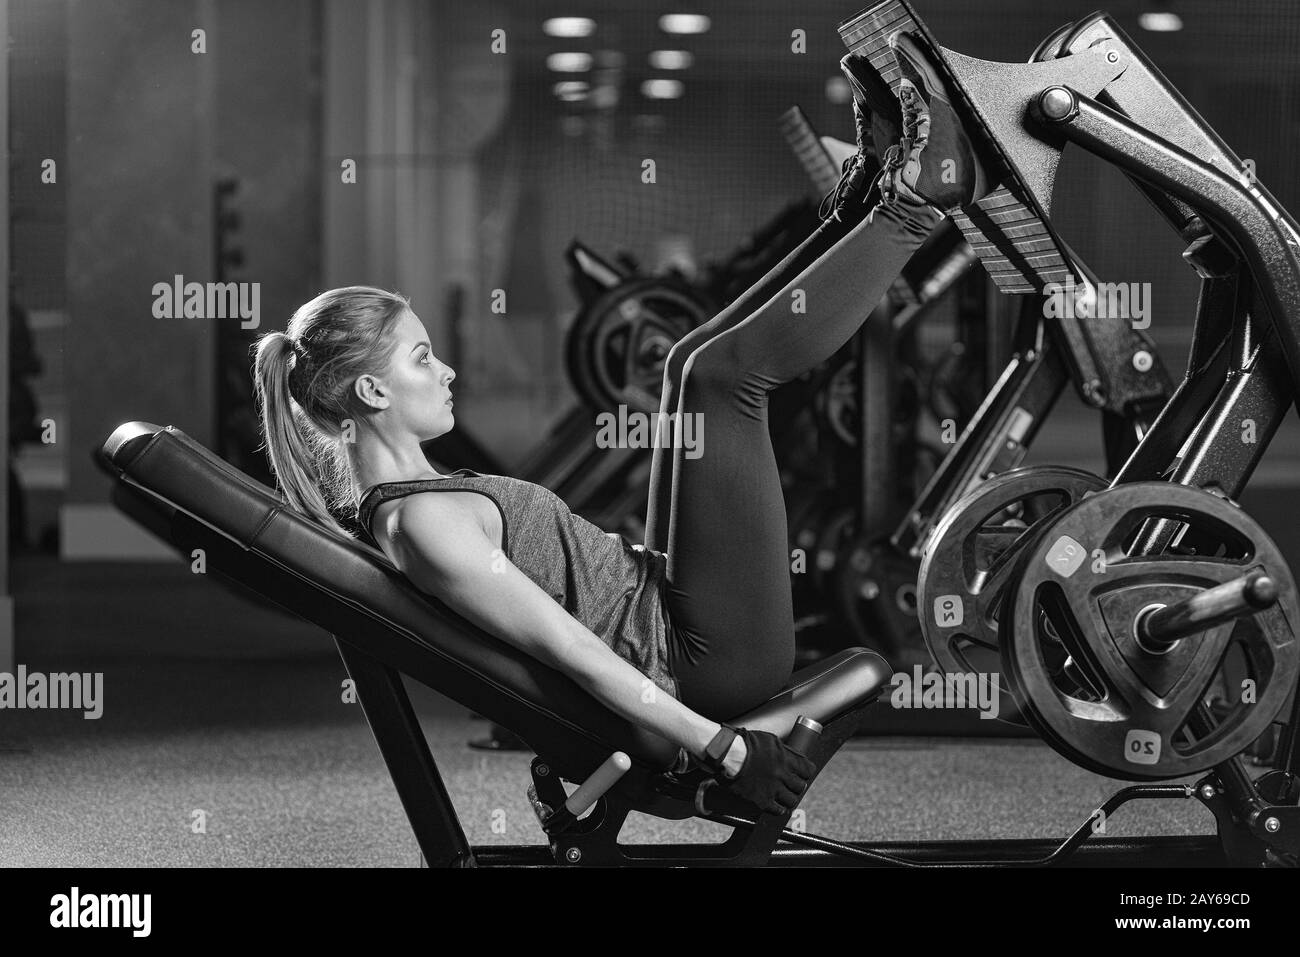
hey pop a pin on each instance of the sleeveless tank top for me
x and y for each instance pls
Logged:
(615, 588)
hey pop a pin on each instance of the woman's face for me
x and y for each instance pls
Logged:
(418, 384)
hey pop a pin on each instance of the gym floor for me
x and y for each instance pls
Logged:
(257, 736)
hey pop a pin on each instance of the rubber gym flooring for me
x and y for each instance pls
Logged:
(214, 703)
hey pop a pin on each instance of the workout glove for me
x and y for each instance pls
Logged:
(773, 777)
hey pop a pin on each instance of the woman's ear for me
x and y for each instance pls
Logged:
(370, 391)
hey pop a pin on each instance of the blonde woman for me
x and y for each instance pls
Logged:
(695, 625)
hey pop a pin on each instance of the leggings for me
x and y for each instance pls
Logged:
(720, 516)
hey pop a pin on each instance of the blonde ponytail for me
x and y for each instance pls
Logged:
(303, 379)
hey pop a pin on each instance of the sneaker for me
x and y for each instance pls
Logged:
(936, 162)
(877, 123)
(872, 93)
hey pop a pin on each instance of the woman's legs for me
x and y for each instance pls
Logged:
(728, 588)
(823, 238)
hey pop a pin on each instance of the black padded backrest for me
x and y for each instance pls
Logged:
(178, 488)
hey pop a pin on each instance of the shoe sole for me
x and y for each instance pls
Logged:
(1008, 229)
(880, 100)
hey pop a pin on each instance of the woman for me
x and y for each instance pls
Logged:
(697, 624)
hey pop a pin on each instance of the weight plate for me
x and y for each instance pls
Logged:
(808, 506)
(1143, 716)
(875, 594)
(838, 403)
(834, 526)
(618, 344)
(968, 559)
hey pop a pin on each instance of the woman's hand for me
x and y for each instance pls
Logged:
(771, 776)
(735, 759)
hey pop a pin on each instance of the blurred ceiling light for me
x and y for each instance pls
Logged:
(684, 23)
(570, 91)
(1162, 21)
(838, 90)
(662, 89)
(569, 27)
(671, 59)
(568, 62)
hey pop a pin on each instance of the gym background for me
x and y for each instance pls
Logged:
(474, 172)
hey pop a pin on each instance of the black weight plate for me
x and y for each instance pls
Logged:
(834, 526)
(968, 559)
(875, 594)
(618, 344)
(1139, 718)
(838, 403)
(807, 506)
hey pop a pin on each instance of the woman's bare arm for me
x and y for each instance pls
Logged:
(439, 544)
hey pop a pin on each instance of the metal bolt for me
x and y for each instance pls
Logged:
(1207, 791)
(543, 770)
(1111, 56)
(1272, 825)
(1142, 361)
(905, 598)
(573, 855)
(1057, 103)
(1093, 392)
(869, 590)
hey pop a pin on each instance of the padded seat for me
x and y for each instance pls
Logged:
(193, 499)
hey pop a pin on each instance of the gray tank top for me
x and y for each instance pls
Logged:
(615, 588)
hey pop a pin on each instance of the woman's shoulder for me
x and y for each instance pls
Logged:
(441, 528)
(423, 502)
